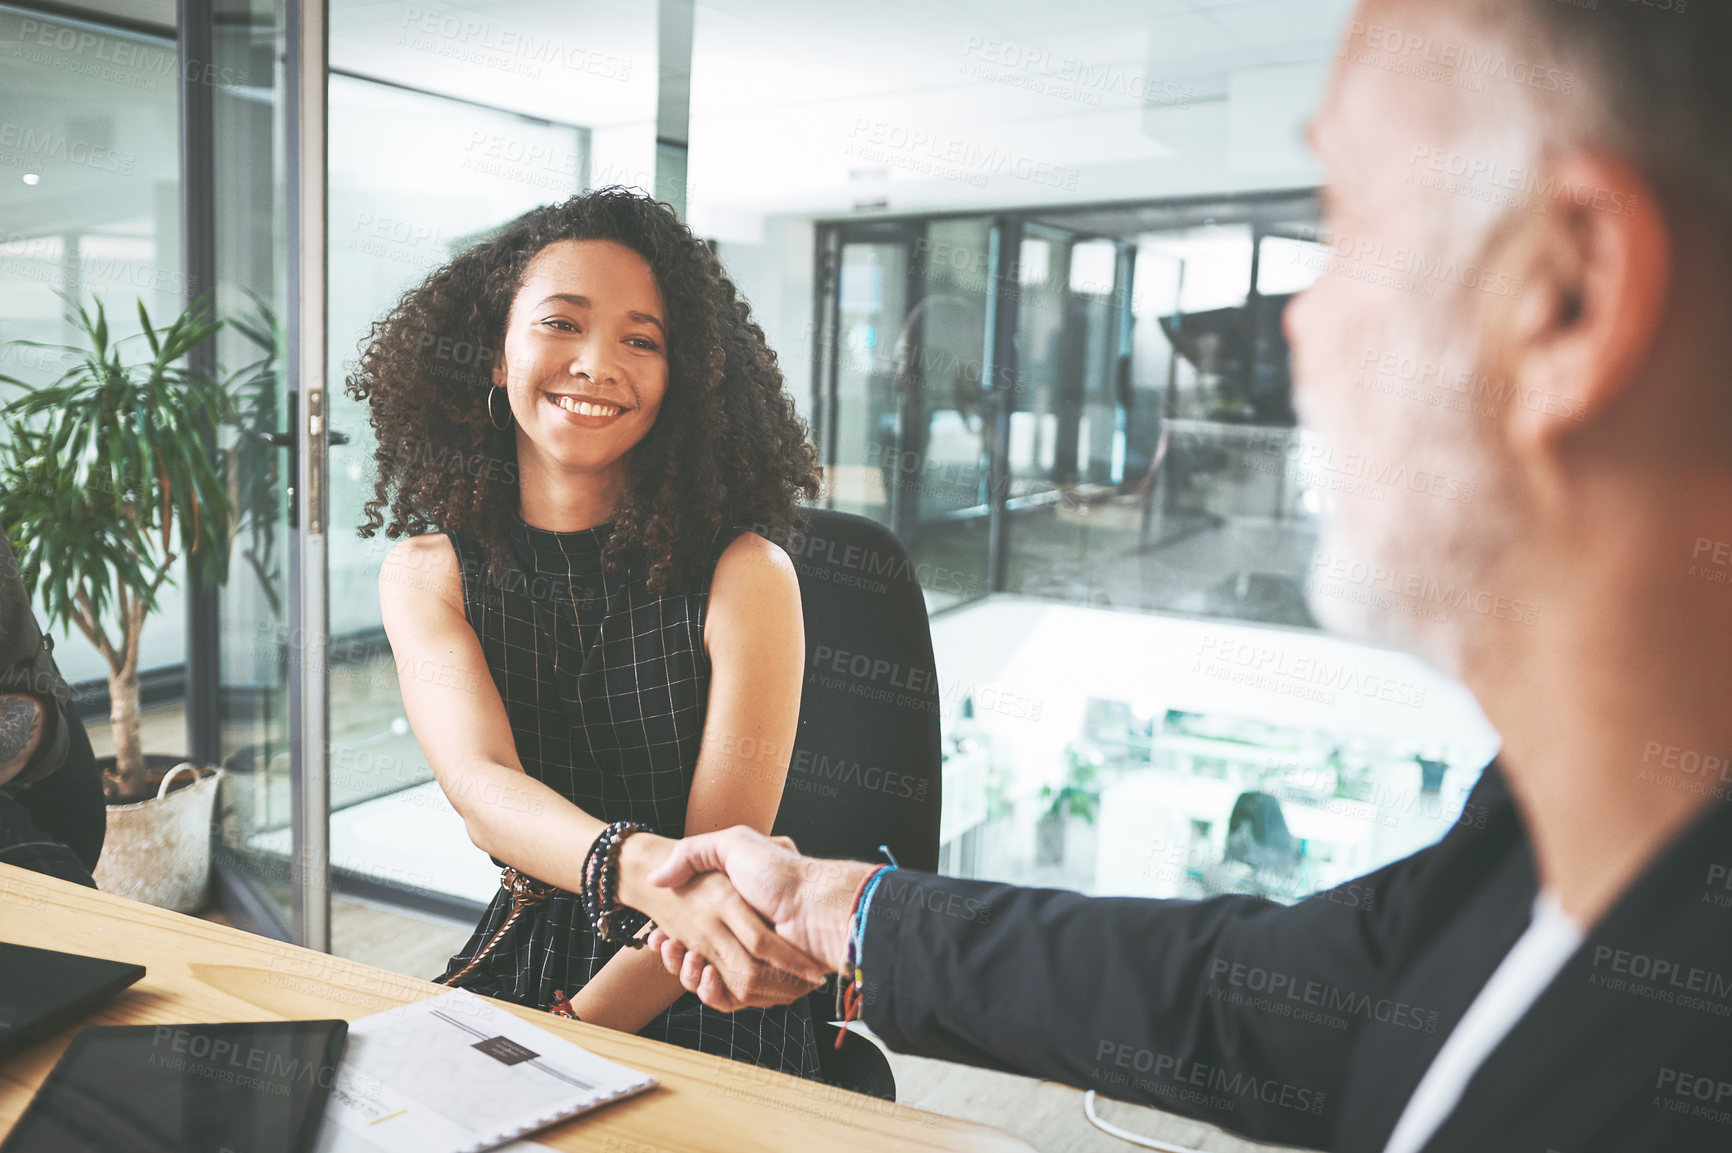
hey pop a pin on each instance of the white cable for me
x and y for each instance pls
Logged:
(1136, 1139)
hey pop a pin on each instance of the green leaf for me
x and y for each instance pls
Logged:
(98, 334)
(107, 467)
(149, 333)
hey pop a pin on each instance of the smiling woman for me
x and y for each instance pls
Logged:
(584, 378)
(593, 630)
(724, 442)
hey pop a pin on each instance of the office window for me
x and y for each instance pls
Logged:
(89, 208)
(1136, 698)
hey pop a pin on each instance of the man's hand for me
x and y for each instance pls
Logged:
(754, 968)
(808, 901)
(21, 717)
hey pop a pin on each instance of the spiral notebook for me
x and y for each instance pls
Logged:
(459, 1074)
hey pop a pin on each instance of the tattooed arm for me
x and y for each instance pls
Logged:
(33, 694)
(21, 717)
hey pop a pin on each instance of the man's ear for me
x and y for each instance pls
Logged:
(1595, 261)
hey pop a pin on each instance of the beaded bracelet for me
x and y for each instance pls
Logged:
(589, 893)
(853, 976)
(845, 977)
(614, 923)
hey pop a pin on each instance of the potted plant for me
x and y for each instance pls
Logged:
(107, 482)
(1077, 799)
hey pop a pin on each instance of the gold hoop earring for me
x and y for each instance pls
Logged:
(491, 419)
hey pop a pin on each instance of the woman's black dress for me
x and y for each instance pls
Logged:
(605, 684)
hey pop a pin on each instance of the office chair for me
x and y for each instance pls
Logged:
(867, 756)
(1258, 835)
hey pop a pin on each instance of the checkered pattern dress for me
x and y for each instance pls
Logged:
(605, 684)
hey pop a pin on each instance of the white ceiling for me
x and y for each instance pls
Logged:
(98, 152)
(575, 61)
(812, 106)
(805, 107)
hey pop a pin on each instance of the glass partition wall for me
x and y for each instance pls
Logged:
(1137, 699)
(1145, 400)
(89, 210)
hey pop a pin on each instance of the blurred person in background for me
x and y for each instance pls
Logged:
(36, 742)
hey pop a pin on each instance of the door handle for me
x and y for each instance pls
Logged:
(287, 439)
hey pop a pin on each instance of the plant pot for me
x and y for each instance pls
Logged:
(1049, 839)
(158, 850)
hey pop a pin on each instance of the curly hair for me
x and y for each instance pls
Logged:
(727, 447)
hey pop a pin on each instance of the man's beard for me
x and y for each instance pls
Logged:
(1364, 599)
(1402, 566)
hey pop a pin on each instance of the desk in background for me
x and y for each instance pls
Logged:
(202, 972)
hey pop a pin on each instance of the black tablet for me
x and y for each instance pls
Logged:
(256, 1087)
(42, 992)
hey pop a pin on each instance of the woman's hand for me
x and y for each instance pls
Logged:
(809, 901)
(740, 961)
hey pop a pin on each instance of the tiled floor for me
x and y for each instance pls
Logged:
(412, 837)
(397, 940)
(1247, 569)
(1046, 1115)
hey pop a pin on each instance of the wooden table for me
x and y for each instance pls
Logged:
(201, 972)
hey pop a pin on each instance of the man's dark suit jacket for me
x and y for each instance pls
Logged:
(1312, 1025)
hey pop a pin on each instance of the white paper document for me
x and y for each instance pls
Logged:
(459, 1074)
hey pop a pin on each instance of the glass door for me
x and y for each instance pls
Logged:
(1067, 437)
(248, 182)
(336, 184)
(414, 179)
(872, 297)
(159, 179)
(908, 411)
(943, 474)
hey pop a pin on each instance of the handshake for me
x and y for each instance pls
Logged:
(741, 918)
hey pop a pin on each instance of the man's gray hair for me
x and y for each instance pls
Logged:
(1655, 82)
